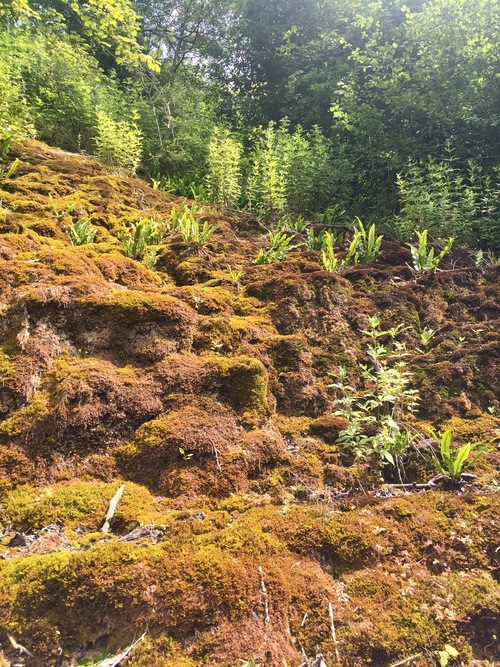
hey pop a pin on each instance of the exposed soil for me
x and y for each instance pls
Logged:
(242, 518)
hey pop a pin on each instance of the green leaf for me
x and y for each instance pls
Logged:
(444, 658)
(388, 456)
(451, 650)
(462, 456)
(445, 444)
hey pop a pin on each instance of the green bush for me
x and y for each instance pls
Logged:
(377, 410)
(266, 186)
(15, 117)
(51, 85)
(289, 171)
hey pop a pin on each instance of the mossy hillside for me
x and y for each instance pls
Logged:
(113, 586)
(110, 369)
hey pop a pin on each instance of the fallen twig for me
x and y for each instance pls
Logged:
(334, 634)
(18, 647)
(112, 509)
(406, 660)
(263, 590)
(116, 659)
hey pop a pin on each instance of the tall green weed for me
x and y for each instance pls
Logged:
(118, 143)
(224, 168)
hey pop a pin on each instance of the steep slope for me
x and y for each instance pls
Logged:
(242, 519)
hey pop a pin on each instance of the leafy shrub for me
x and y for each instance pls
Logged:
(118, 143)
(289, 171)
(266, 186)
(15, 116)
(52, 85)
(438, 196)
(376, 411)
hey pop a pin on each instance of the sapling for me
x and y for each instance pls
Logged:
(376, 412)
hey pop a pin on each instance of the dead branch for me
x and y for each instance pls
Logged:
(112, 509)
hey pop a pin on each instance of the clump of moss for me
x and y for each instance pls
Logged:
(243, 381)
(183, 437)
(7, 370)
(15, 468)
(26, 419)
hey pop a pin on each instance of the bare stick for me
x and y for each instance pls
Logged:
(406, 660)
(216, 453)
(112, 509)
(334, 634)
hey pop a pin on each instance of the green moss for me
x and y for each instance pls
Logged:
(162, 651)
(25, 419)
(226, 334)
(80, 504)
(480, 429)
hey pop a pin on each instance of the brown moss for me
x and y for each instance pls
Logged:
(328, 427)
(15, 468)
(81, 405)
(185, 450)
